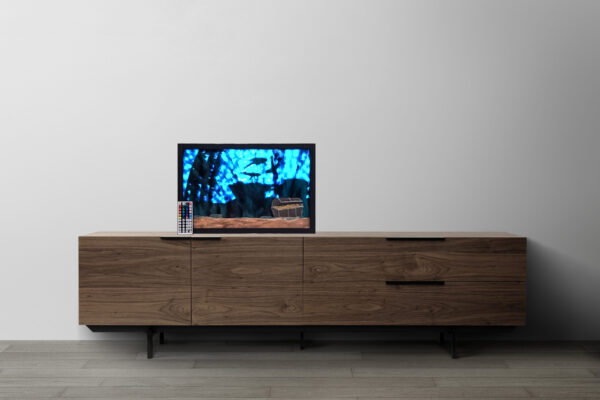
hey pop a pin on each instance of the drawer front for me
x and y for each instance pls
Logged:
(247, 305)
(134, 281)
(247, 281)
(378, 259)
(134, 306)
(454, 303)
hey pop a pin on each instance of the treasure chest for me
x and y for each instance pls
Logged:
(287, 207)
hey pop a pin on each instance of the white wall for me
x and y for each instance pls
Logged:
(427, 115)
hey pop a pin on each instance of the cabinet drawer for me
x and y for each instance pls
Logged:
(454, 303)
(243, 305)
(134, 306)
(378, 259)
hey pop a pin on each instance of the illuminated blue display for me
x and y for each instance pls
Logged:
(268, 167)
(188, 159)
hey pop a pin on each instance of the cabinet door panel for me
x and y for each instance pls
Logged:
(133, 262)
(247, 281)
(134, 281)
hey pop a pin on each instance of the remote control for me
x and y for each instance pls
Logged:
(185, 218)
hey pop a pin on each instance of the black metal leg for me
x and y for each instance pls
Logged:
(161, 338)
(452, 335)
(453, 346)
(301, 340)
(150, 340)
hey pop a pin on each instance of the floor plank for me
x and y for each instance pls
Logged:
(357, 383)
(556, 363)
(27, 392)
(418, 347)
(241, 346)
(50, 382)
(505, 356)
(518, 382)
(400, 392)
(71, 355)
(181, 372)
(220, 398)
(211, 398)
(590, 392)
(135, 364)
(474, 372)
(321, 356)
(162, 392)
(64, 346)
(49, 363)
(136, 346)
(495, 347)
(445, 362)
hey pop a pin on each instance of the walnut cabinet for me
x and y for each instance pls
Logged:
(352, 278)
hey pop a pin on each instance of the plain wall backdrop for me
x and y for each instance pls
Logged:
(427, 115)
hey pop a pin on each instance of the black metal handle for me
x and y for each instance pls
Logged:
(414, 239)
(415, 282)
(190, 238)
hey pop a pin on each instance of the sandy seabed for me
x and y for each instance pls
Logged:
(272, 223)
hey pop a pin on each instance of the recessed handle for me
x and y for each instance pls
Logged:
(415, 239)
(423, 283)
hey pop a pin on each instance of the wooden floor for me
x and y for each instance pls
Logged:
(325, 370)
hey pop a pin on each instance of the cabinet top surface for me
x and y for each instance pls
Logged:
(318, 234)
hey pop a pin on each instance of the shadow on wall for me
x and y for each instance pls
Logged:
(559, 293)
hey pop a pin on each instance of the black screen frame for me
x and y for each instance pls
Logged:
(181, 147)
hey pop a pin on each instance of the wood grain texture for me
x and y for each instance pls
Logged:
(247, 281)
(134, 306)
(377, 259)
(247, 261)
(250, 305)
(134, 281)
(133, 262)
(456, 303)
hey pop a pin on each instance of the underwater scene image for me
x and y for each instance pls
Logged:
(247, 188)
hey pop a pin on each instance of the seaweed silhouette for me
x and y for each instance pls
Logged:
(202, 180)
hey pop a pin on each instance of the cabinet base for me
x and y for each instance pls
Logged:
(447, 334)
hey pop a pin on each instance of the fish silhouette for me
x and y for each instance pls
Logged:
(252, 174)
(257, 161)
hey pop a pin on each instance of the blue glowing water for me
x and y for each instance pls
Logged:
(249, 166)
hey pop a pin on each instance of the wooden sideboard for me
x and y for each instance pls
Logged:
(156, 279)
